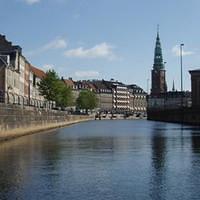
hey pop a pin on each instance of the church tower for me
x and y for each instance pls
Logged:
(158, 82)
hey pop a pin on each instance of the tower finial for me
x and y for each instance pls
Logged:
(158, 27)
(158, 59)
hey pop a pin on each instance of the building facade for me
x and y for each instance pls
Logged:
(170, 100)
(195, 84)
(35, 76)
(104, 96)
(138, 99)
(18, 78)
(120, 98)
(112, 96)
(12, 72)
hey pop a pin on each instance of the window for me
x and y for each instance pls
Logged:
(34, 80)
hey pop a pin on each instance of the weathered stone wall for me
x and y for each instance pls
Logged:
(16, 121)
(187, 116)
(2, 77)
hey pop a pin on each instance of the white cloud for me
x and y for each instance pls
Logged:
(30, 2)
(58, 43)
(176, 51)
(102, 50)
(86, 74)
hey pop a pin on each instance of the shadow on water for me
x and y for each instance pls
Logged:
(195, 136)
(18, 157)
(36, 161)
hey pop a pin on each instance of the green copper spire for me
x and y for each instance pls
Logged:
(158, 59)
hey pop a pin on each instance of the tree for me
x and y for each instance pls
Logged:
(86, 100)
(64, 95)
(53, 89)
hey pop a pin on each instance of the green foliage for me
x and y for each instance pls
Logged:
(64, 95)
(54, 89)
(86, 100)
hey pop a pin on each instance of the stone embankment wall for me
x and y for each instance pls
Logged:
(17, 121)
(187, 116)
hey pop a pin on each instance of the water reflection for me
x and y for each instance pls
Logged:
(114, 160)
(17, 160)
(158, 145)
(195, 136)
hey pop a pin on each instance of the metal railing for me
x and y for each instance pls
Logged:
(15, 99)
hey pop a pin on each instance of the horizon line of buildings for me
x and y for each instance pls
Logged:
(112, 96)
(19, 78)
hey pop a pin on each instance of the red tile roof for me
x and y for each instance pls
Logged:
(69, 83)
(38, 72)
(91, 86)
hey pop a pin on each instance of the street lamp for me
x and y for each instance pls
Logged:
(181, 55)
(181, 61)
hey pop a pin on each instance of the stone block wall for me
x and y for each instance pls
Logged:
(16, 120)
(186, 115)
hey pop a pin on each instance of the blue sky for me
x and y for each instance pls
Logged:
(104, 39)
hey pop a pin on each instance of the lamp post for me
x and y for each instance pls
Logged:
(181, 62)
(181, 59)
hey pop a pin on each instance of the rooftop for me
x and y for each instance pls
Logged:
(38, 72)
(69, 82)
(195, 70)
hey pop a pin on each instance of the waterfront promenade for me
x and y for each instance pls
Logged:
(16, 120)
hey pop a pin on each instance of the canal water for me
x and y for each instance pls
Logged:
(103, 160)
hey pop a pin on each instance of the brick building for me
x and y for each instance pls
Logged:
(158, 72)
